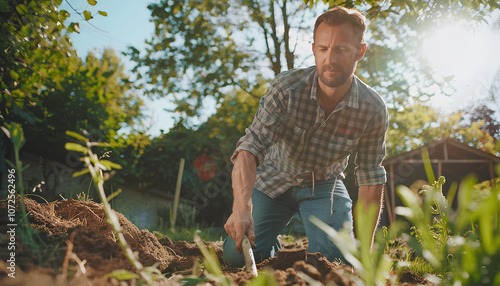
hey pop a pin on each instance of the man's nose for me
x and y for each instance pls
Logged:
(331, 57)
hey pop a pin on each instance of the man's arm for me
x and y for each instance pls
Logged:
(250, 152)
(243, 176)
(368, 195)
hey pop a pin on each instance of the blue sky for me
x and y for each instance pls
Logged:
(128, 24)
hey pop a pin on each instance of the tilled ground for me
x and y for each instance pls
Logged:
(78, 247)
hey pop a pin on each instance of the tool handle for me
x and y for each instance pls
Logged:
(248, 254)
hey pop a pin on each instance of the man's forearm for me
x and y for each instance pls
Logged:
(243, 177)
(369, 195)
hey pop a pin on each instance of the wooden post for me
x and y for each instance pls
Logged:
(177, 193)
(393, 192)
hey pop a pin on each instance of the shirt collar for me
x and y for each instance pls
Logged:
(352, 97)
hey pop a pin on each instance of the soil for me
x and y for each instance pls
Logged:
(77, 247)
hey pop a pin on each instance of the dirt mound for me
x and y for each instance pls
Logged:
(94, 239)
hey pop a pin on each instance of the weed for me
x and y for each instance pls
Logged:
(29, 236)
(95, 167)
(462, 245)
(372, 264)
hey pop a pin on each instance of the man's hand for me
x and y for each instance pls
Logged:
(239, 224)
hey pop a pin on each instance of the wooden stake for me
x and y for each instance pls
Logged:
(177, 192)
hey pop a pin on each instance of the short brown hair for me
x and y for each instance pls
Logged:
(339, 15)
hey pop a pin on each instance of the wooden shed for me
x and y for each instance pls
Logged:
(449, 158)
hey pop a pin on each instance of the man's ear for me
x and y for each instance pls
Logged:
(361, 52)
(312, 47)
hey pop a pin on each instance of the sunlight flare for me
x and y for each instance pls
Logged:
(450, 50)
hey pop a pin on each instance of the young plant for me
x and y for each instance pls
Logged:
(96, 167)
(371, 263)
(29, 236)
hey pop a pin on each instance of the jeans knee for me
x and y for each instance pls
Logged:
(230, 254)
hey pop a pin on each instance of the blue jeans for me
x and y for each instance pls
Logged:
(272, 215)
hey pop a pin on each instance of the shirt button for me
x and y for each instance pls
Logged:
(321, 114)
(312, 148)
(309, 165)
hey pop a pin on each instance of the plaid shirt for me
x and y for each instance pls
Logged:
(295, 144)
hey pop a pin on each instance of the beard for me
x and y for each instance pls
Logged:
(336, 80)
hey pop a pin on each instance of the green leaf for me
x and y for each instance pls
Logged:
(17, 135)
(75, 147)
(22, 9)
(428, 166)
(114, 195)
(79, 173)
(77, 136)
(103, 13)
(99, 144)
(64, 14)
(14, 75)
(92, 2)
(110, 165)
(87, 15)
(122, 275)
(74, 27)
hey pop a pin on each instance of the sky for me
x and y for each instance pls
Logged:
(126, 24)
(472, 57)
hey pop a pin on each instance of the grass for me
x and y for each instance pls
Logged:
(188, 233)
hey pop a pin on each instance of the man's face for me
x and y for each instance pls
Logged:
(336, 51)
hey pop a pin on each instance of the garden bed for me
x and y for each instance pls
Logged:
(77, 247)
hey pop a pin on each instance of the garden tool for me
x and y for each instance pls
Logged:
(248, 254)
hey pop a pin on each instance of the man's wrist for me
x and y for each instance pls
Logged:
(242, 207)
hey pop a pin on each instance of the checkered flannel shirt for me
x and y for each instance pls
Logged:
(294, 143)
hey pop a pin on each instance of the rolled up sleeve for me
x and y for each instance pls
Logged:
(371, 152)
(266, 124)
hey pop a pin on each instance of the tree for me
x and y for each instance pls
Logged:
(49, 90)
(205, 48)
(421, 124)
(433, 11)
(35, 47)
(482, 112)
(94, 96)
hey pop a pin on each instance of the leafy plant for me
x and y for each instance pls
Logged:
(372, 264)
(29, 236)
(463, 245)
(96, 167)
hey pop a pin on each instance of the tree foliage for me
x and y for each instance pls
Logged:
(433, 11)
(93, 95)
(422, 124)
(207, 48)
(47, 88)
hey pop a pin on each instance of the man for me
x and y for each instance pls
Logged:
(293, 156)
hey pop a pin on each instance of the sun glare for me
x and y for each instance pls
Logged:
(450, 50)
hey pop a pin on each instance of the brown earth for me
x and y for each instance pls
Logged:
(77, 247)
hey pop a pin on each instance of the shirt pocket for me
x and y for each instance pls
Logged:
(339, 148)
(293, 136)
